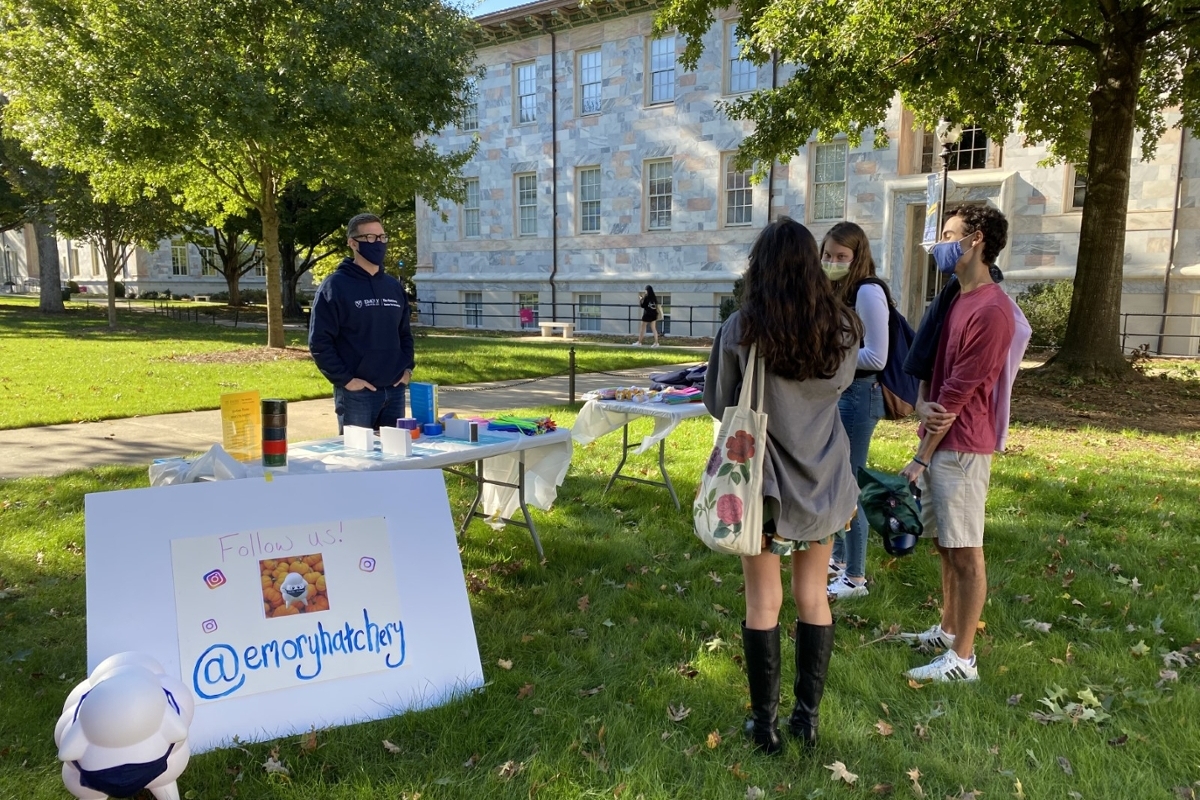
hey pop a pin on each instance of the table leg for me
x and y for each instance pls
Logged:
(478, 497)
(537, 543)
(624, 455)
(662, 467)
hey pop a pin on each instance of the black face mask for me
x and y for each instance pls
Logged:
(125, 780)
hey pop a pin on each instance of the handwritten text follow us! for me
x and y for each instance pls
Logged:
(254, 545)
(221, 670)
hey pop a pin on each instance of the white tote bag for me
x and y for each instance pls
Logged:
(728, 511)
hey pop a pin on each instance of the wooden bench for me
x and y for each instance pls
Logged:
(568, 329)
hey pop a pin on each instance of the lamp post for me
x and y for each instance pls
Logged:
(948, 133)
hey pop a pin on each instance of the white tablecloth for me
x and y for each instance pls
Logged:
(599, 417)
(547, 458)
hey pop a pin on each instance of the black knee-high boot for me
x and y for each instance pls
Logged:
(761, 649)
(814, 645)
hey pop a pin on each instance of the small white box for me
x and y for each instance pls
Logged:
(458, 429)
(396, 441)
(356, 438)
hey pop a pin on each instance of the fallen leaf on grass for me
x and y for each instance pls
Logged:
(471, 762)
(526, 638)
(691, 751)
(1168, 674)
(1033, 624)
(920, 731)
(391, 748)
(1018, 790)
(713, 740)
(509, 770)
(840, 773)
(1174, 658)
(914, 775)
(308, 742)
(1185, 793)
(1015, 699)
(881, 789)
(1119, 741)
(580, 632)
(583, 603)
(274, 766)
(754, 793)
(678, 713)
(504, 663)
(1065, 766)
(1140, 649)
(525, 691)
(883, 728)
(912, 684)
(687, 670)
(737, 771)
(593, 691)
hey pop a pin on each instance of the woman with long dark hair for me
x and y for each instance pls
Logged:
(808, 342)
(649, 303)
(846, 259)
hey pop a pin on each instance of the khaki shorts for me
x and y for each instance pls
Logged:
(953, 497)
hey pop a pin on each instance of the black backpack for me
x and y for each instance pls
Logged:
(899, 388)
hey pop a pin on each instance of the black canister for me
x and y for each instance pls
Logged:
(274, 432)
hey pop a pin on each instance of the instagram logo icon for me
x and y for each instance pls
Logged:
(209, 625)
(366, 564)
(214, 579)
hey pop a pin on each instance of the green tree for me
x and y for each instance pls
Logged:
(312, 230)
(115, 225)
(1063, 70)
(232, 101)
(229, 249)
(26, 195)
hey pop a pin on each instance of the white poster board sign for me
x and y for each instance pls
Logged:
(338, 596)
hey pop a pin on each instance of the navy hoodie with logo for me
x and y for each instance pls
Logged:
(360, 327)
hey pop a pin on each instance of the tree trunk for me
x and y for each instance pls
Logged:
(1093, 339)
(112, 262)
(233, 283)
(48, 277)
(270, 226)
(291, 277)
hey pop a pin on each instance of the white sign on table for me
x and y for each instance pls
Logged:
(339, 597)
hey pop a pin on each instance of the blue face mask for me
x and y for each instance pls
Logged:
(375, 252)
(947, 255)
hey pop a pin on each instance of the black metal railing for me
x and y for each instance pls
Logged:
(1157, 341)
(600, 318)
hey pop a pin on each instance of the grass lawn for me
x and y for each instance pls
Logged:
(1094, 578)
(70, 368)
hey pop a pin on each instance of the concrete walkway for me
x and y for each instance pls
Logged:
(55, 449)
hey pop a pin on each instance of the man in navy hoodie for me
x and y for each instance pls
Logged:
(359, 334)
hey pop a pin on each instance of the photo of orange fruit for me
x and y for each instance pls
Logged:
(304, 593)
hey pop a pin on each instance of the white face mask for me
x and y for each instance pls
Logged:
(835, 271)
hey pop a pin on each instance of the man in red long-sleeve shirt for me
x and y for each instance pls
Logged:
(957, 406)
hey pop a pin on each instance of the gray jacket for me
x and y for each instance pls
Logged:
(809, 488)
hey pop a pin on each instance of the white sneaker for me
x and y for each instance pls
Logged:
(636, 344)
(654, 345)
(934, 637)
(946, 668)
(842, 588)
(834, 570)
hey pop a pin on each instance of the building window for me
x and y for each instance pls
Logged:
(1078, 190)
(470, 116)
(969, 153)
(471, 208)
(527, 309)
(9, 262)
(829, 182)
(526, 93)
(589, 312)
(589, 200)
(662, 70)
(473, 309)
(527, 205)
(260, 263)
(589, 82)
(179, 257)
(208, 262)
(743, 76)
(658, 195)
(739, 195)
(664, 308)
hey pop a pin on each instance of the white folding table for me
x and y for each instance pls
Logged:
(600, 417)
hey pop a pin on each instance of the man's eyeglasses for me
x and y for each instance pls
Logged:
(371, 238)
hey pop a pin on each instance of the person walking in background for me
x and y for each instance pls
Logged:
(846, 259)
(359, 334)
(959, 409)
(649, 303)
(808, 342)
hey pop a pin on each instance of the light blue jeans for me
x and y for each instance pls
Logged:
(861, 407)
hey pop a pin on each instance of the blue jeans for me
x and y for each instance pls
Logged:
(861, 407)
(367, 409)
